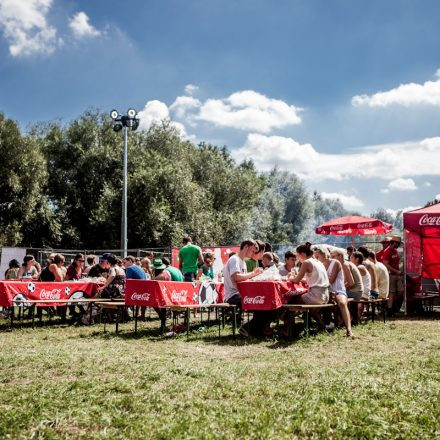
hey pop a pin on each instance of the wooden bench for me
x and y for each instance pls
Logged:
(306, 309)
(219, 306)
(33, 303)
(379, 302)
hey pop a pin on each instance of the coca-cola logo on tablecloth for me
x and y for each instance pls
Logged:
(50, 294)
(253, 300)
(179, 296)
(429, 220)
(140, 296)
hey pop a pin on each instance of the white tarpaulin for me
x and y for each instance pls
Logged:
(8, 254)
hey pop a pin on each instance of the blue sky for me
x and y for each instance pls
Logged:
(344, 93)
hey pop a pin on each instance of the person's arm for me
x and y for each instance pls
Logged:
(20, 272)
(305, 267)
(110, 278)
(348, 277)
(390, 268)
(200, 257)
(335, 271)
(238, 276)
(57, 273)
(180, 262)
(199, 273)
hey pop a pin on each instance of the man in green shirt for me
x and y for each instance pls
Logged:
(252, 263)
(190, 256)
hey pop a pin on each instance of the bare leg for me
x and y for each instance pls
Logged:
(343, 307)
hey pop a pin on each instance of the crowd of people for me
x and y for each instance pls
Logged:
(331, 273)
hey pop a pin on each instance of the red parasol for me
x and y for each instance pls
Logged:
(353, 225)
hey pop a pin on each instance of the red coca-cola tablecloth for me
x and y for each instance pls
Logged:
(168, 293)
(21, 291)
(268, 295)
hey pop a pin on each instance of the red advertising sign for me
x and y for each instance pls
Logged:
(168, 293)
(268, 295)
(20, 291)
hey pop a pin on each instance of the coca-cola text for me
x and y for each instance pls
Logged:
(429, 220)
(253, 300)
(50, 294)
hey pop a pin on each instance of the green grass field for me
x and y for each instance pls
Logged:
(77, 382)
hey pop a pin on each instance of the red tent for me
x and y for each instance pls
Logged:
(422, 241)
(354, 224)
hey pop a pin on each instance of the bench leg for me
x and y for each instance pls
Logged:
(33, 316)
(373, 311)
(117, 319)
(306, 322)
(136, 308)
(12, 316)
(234, 320)
(187, 316)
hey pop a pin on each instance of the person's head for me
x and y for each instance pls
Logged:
(395, 241)
(146, 263)
(338, 254)
(150, 255)
(166, 261)
(186, 240)
(364, 251)
(320, 252)
(385, 242)
(276, 258)
(91, 260)
(289, 259)
(258, 255)
(248, 248)
(79, 260)
(267, 259)
(357, 258)
(158, 266)
(267, 247)
(129, 260)
(304, 251)
(58, 259)
(350, 250)
(112, 260)
(208, 259)
(14, 264)
(137, 261)
(372, 257)
(28, 260)
(103, 260)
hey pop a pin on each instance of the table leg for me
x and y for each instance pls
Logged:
(33, 315)
(373, 311)
(163, 320)
(136, 308)
(187, 315)
(209, 317)
(117, 319)
(234, 320)
(306, 328)
(12, 315)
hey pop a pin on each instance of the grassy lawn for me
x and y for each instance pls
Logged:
(80, 383)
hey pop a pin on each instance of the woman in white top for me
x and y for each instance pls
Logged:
(316, 277)
(337, 282)
(357, 258)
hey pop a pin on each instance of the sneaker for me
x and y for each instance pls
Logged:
(350, 335)
(330, 326)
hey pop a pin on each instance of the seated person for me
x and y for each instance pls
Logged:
(28, 269)
(91, 261)
(74, 271)
(267, 260)
(57, 268)
(206, 269)
(102, 268)
(175, 273)
(132, 271)
(46, 274)
(254, 261)
(12, 271)
(160, 272)
(289, 265)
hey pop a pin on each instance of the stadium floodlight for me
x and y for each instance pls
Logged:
(131, 113)
(114, 114)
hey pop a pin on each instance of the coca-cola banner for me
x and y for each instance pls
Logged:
(20, 291)
(221, 254)
(413, 252)
(167, 293)
(268, 295)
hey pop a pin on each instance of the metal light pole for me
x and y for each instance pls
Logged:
(127, 121)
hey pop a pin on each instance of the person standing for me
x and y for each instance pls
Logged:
(190, 256)
(385, 242)
(391, 261)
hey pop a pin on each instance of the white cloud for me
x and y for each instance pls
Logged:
(248, 110)
(437, 197)
(156, 111)
(390, 161)
(348, 201)
(25, 27)
(190, 89)
(427, 184)
(81, 27)
(184, 105)
(401, 184)
(405, 94)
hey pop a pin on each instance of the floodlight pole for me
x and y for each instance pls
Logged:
(124, 197)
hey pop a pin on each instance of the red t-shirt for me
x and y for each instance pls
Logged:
(391, 256)
(379, 255)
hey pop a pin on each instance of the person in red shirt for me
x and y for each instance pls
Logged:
(390, 258)
(385, 242)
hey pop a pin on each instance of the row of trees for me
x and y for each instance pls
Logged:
(60, 186)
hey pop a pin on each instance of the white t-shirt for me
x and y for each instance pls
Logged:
(234, 265)
(383, 280)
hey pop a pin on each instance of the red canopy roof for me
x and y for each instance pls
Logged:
(353, 225)
(424, 219)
